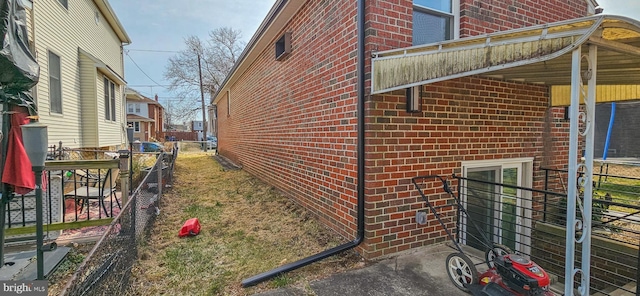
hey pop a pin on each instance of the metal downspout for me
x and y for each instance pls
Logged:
(360, 171)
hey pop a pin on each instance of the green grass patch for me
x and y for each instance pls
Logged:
(248, 227)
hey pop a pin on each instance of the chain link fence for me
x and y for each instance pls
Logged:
(107, 268)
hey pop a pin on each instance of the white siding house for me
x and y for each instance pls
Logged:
(80, 95)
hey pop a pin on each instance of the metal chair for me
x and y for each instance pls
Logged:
(97, 189)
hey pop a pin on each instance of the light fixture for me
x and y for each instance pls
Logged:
(35, 139)
(414, 99)
(130, 134)
(567, 112)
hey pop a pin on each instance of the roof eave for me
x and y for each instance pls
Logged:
(112, 19)
(279, 15)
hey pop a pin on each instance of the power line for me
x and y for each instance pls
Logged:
(152, 50)
(145, 74)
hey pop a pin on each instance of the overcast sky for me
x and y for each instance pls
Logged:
(630, 8)
(162, 25)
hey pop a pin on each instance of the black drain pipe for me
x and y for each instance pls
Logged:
(360, 189)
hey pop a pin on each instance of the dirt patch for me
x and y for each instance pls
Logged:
(248, 227)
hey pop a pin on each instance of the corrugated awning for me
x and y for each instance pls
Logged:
(539, 54)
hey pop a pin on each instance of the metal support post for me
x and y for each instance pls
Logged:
(39, 231)
(124, 175)
(580, 188)
(159, 176)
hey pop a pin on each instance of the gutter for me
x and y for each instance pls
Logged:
(360, 172)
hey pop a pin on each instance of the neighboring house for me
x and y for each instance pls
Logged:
(145, 115)
(178, 128)
(288, 111)
(80, 95)
(197, 126)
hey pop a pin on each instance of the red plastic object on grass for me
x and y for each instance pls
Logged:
(190, 228)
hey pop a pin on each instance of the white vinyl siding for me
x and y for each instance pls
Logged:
(65, 32)
(89, 131)
(107, 129)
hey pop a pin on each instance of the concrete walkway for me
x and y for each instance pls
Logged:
(417, 272)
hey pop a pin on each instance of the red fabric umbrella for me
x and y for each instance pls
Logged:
(17, 168)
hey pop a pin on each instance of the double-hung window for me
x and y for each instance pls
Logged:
(109, 100)
(55, 84)
(433, 21)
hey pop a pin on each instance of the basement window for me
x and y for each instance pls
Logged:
(283, 46)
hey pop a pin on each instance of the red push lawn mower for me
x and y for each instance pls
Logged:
(507, 274)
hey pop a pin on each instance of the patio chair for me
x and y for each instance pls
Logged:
(102, 188)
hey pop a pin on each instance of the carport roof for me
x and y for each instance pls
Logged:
(539, 54)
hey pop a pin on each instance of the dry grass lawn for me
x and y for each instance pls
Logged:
(248, 227)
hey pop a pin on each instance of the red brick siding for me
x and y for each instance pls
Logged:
(462, 120)
(486, 16)
(293, 123)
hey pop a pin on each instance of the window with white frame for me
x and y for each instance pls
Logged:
(433, 20)
(136, 126)
(129, 108)
(109, 100)
(55, 84)
(137, 108)
(503, 211)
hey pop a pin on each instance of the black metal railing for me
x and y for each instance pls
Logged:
(532, 222)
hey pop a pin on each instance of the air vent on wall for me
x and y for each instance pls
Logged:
(283, 46)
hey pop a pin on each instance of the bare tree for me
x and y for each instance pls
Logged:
(218, 55)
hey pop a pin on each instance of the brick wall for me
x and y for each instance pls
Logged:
(292, 123)
(462, 120)
(485, 16)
